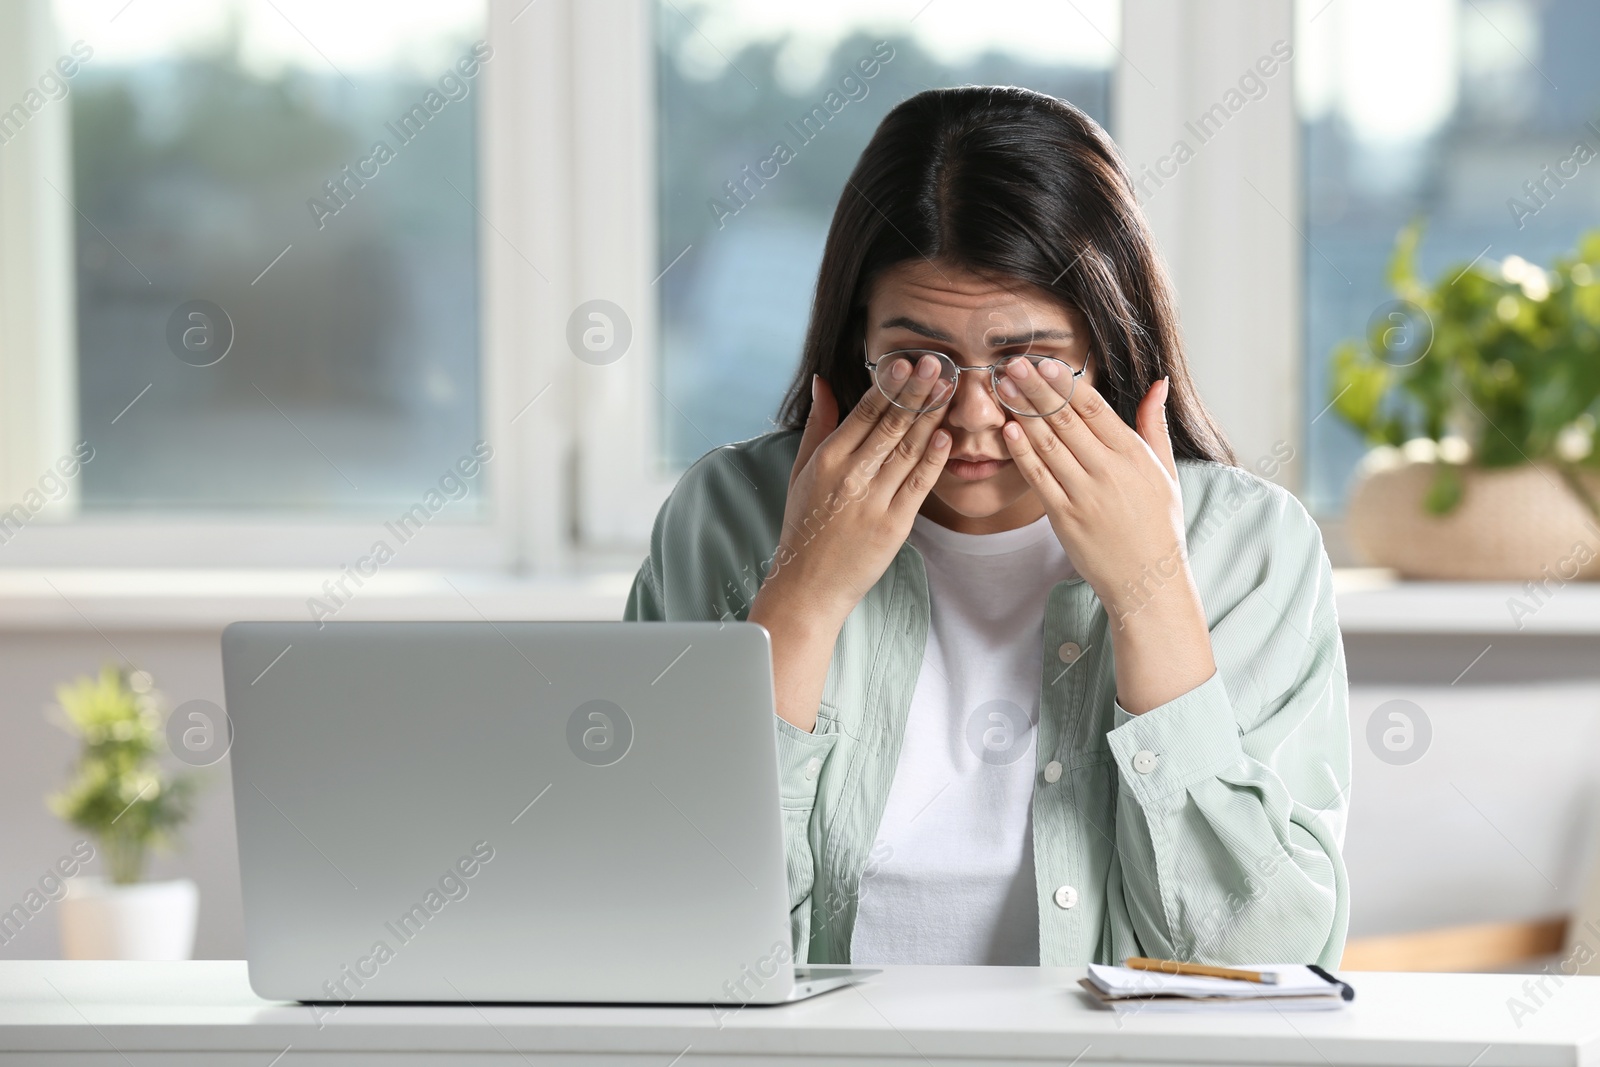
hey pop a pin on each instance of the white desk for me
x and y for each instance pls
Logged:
(143, 1014)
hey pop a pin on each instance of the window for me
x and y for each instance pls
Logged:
(1443, 110)
(274, 235)
(763, 110)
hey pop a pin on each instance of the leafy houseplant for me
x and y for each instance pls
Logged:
(1493, 366)
(120, 794)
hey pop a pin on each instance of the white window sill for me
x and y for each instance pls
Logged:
(1369, 600)
(1373, 601)
(141, 599)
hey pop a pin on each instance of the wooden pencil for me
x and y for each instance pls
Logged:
(1143, 963)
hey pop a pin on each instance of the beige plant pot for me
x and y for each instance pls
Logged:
(1513, 524)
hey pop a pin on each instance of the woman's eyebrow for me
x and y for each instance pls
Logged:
(934, 334)
(916, 327)
(1031, 335)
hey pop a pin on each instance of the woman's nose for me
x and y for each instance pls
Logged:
(974, 407)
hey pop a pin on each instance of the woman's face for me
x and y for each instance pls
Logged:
(975, 321)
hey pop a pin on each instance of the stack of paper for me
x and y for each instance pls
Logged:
(1299, 988)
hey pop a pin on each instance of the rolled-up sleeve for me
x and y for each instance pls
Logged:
(1231, 802)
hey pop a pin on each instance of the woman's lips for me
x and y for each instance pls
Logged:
(974, 471)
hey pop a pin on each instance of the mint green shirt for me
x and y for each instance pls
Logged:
(1206, 829)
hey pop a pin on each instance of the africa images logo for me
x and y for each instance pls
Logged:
(599, 732)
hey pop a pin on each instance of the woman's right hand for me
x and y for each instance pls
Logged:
(854, 491)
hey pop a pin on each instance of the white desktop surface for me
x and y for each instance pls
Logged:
(204, 1012)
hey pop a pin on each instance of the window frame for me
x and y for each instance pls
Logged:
(1232, 218)
(37, 351)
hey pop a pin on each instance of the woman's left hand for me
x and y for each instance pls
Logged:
(1113, 499)
(1111, 493)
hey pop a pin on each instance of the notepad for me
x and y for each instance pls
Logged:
(1299, 988)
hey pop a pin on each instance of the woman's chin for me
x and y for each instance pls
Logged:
(980, 499)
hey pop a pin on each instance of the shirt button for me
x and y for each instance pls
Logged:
(1069, 652)
(1144, 761)
(813, 768)
(1052, 771)
(1066, 897)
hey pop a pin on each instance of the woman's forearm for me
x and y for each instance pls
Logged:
(802, 648)
(1162, 648)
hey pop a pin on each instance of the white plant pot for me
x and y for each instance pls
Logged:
(143, 921)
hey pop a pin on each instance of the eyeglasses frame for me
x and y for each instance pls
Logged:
(994, 382)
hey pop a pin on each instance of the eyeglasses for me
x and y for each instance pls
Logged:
(901, 391)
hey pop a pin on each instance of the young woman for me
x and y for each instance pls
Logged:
(1057, 681)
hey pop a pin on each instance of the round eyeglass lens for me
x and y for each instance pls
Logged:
(896, 377)
(1054, 382)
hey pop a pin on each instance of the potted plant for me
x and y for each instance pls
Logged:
(1481, 394)
(121, 796)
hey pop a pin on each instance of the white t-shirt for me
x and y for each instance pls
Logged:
(952, 876)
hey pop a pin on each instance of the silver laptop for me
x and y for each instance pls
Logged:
(579, 812)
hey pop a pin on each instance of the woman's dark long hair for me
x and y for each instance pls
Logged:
(1010, 184)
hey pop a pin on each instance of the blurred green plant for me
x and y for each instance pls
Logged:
(119, 793)
(1508, 374)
